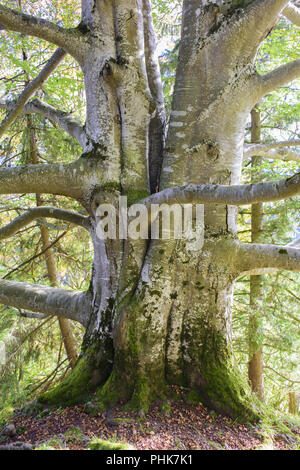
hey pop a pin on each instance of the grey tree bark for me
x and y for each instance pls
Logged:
(159, 313)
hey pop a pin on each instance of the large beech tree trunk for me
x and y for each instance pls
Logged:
(162, 312)
(158, 312)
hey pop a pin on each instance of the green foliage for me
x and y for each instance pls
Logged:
(100, 444)
(57, 443)
(74, 434)
(5, 414)
(34, 348)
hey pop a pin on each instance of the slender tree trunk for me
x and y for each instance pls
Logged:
(64, 324)
(292, 403)
(255, 365)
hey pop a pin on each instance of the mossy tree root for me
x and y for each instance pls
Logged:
(221, 386)
(91, 370)
(227, 394)
(137, 396)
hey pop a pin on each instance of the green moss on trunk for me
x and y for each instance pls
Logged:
(217, 382)
(91, 370)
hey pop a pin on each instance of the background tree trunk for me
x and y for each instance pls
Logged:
(64, 324)
(255, 365)
(292, 403)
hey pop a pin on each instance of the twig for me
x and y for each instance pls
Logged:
(35, 256)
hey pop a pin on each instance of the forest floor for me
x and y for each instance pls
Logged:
(183, 427)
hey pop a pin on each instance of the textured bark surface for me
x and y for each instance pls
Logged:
(158, 312)
(172, 322)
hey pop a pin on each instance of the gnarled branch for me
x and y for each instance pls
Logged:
(233, 195)
(28, 91)
(63, 119)
(68, 39)
(256, 258)
(74, 305)
(273, 150)
(43, 211)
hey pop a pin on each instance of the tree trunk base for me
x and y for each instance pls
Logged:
(91, 371)
(156, 347)
(138, 397)
(226, 396)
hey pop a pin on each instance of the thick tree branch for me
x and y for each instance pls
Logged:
(271, 7)
(233, 195)
(42, 211)
(29, 90)
(263, 84)
(273, 150)
(256, 258)
(63, 119)
(69, 39)
(292, 13)
(255, 20)
(74, 305)
(73, 180)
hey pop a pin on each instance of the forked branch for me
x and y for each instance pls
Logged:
(16, 107)
(69, 39)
